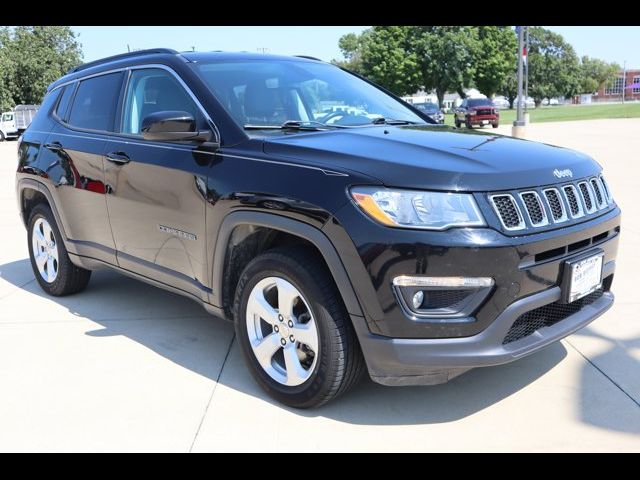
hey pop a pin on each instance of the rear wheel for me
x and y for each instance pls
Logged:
(494, 125)
(49, 258)
(293, 330)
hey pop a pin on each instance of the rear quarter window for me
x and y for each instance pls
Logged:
(95, 103)
(63, 104)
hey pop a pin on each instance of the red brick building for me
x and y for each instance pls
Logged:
(613, 91)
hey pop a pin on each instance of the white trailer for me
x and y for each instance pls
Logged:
(13, 123)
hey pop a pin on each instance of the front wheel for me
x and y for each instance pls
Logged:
(494, 125)
(1, 137)
(293, 330)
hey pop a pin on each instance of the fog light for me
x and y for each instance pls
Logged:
(418, 297)
(441, 299)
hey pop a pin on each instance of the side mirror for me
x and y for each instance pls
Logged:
(167, 126)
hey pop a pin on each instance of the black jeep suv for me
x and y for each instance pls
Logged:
(337, 226)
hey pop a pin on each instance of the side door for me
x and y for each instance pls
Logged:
(157, 190)
(85, 117)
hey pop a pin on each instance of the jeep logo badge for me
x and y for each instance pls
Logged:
(563, 173)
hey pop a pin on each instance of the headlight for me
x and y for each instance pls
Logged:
(416, 209)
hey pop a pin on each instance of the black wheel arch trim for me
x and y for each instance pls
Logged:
(287, 225)
(29, 183)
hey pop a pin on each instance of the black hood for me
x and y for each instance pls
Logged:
(436, 157)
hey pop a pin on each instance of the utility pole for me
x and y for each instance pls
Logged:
(624, 79)
(526, 66)
(518, 124)
(128, 49)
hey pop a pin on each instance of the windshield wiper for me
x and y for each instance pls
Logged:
(295, 125)
(391, 121)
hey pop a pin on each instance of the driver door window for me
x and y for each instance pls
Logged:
(155, 90)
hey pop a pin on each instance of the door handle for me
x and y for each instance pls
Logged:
(53, 146)
(119, 158)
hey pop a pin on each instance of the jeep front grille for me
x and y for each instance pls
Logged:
(552, 205)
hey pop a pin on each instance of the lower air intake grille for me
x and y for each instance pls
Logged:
(547, 316)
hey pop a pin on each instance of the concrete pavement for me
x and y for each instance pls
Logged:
(125, 366)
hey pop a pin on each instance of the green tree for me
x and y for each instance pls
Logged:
(351, 47)
(389, 59)
(495, 58)
(7, 71)
(594, 73)
(446, 55)
(509, 87)
(39, 56)
(554, 69)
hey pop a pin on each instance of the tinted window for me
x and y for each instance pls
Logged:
(478, 102)
(154, 90)
(95, 103)
(63, 104)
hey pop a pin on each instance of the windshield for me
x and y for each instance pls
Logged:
(7, 117)
(272, 92)
(480, 102)
(428, 107)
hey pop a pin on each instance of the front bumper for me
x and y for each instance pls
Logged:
(479, 119)
(404, 361)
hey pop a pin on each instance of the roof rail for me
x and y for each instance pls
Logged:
(309, 58)
(113, 58)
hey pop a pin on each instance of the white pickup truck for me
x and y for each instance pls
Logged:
(13, 123)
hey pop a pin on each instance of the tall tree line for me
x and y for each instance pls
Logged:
(453, 58)
(31, 57)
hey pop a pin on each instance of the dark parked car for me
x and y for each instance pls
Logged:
(431, 109)
(338, 240)
(477, 111)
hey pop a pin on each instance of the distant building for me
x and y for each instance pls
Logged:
(612, 92)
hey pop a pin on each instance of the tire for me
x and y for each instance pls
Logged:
(1, 137)
(337, 363)
(494, 125)
(59, 277)
(468, 124)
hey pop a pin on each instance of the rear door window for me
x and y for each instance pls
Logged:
(95, 104)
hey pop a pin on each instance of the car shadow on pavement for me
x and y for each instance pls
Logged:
(595, 409)
(181, 331)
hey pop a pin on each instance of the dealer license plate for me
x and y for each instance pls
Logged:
(585, 276)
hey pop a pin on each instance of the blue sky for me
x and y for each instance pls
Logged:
(609, 43)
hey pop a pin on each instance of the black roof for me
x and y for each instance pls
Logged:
(120, 60)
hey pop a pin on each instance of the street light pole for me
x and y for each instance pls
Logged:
(518, 124)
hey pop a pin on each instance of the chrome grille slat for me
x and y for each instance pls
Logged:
(556, 205)
(606, 190)
(599, 194)
(587, 197)
(534, 208)
(571, 196)
(508, 211)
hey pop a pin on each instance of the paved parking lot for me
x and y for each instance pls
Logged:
(125, 366)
